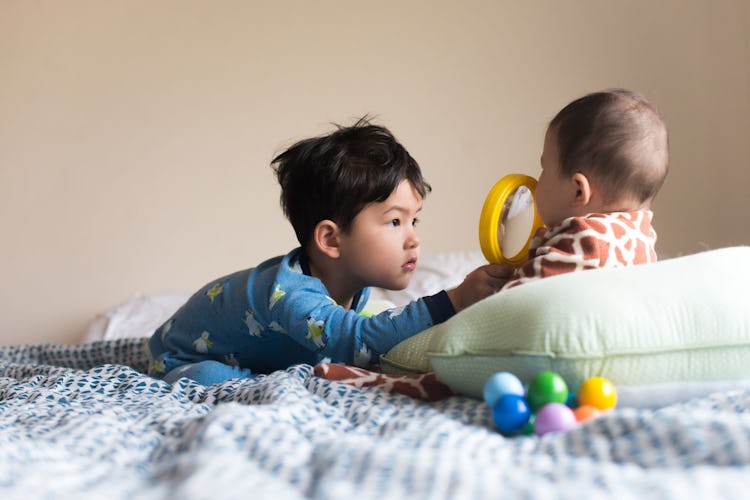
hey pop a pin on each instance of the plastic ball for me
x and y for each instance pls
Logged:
(571, 401)
(547, 387)
(510, 413)
(528, 429)
(597, 392)
(554, 417)
(586, 412)
(499, 384)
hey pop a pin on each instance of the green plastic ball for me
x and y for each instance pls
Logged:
(547, 387)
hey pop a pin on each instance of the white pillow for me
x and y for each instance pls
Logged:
(138, 316)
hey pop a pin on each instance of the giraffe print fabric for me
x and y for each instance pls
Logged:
(595, 241)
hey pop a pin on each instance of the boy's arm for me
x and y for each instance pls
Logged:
(299, 306)
(313, 320)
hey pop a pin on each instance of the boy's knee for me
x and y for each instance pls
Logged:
(207, 372)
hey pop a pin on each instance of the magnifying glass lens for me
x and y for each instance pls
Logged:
(516, 222)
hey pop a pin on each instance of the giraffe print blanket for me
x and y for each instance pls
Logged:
(424, 386)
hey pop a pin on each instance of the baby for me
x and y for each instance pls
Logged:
(604, 160)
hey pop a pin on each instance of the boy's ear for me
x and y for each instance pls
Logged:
(326, 238)
(582, 188)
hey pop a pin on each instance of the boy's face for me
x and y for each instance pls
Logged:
(381, 247)
(553, 190)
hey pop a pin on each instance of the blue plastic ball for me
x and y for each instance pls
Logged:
(499, 384)
(511, 413)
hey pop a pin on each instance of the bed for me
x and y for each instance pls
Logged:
(84, 421)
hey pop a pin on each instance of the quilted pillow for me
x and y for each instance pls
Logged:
(682, 319)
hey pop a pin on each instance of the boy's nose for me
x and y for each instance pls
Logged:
(413, 240)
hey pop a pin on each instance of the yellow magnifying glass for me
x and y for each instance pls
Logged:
(509, 220)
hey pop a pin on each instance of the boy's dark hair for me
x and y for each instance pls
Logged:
(618, 138)
(336, 175)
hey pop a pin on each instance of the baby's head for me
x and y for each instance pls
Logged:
(336, 175)
(613, 141)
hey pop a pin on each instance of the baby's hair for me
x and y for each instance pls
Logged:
(619, 139)
(336, 175)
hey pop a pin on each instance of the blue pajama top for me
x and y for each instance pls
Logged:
(275, 315)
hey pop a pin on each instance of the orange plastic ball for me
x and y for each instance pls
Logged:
(597, 392)
(586, 412)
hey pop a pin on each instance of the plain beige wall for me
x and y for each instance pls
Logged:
(135, 136)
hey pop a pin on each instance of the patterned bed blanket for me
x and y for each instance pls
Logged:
(83, 421)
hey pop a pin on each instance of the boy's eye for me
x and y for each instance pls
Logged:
(395, 222)
(415, 222)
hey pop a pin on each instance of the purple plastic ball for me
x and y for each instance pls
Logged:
(511, 413)
(554, 417)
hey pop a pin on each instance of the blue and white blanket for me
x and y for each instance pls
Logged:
(83, 421)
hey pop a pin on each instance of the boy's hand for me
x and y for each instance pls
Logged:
(478, 284)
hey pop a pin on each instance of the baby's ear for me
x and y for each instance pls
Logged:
(582, 188)
(326, 238)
